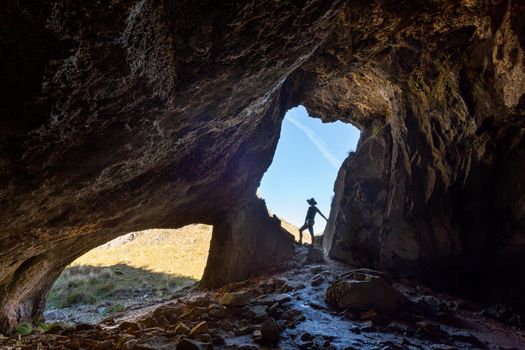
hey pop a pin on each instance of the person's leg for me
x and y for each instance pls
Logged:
(301, 233)
(311, 230)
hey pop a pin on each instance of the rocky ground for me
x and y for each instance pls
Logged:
(310, 304)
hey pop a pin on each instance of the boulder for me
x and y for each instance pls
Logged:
(360, 291)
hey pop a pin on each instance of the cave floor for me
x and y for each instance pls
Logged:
(232, 318)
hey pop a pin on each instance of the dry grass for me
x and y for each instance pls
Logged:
(181, 252)
(90, 285)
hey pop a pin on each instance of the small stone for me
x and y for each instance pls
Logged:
(217, 311)
(195, 313)
(128, 327)
(244, 330)
(200, 328)
(170, 312)
(218, 339)
(257, 335)
(182, 328)
(256, 312)
(149, 322)
(314, 255)
(307, 345)
(235, 299)
(306, 336)
(248, 347)
(155, 343)
(274, 298)
(368, 326)
(190, 344)
(206, 338)
(270, 331)
(292, 286)
(226, 325)
(317, 280)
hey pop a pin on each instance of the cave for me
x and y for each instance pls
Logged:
(129, 115)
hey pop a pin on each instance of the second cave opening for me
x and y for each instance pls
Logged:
(306, 162)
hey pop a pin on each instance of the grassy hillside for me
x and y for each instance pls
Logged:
(181, 252)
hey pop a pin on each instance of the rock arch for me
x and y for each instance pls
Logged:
(137, 114)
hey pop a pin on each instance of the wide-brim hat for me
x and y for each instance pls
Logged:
(311, 201)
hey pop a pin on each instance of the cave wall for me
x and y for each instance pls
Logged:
(127, 115)
(435, 187)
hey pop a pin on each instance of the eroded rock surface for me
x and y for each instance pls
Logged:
(122, 116)
(244, 242)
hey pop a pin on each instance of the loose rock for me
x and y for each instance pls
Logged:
(270, 331)
(362, 291)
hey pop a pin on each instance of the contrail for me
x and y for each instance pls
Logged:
(317, 141)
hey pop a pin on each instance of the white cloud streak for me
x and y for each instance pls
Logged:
(317, 141)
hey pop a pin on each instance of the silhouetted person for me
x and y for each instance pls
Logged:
(309, 221)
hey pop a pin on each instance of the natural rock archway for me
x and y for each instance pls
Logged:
(122, 116)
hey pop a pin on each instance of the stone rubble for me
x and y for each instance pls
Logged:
(344, 309)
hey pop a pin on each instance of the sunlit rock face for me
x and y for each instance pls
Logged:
(122, 116)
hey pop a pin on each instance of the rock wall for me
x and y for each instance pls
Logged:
(428, 190)
(246, 242)
(128, 115)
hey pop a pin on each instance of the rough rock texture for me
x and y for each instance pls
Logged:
(435, 181)
(362, 291)
(126, 115)
(245, 242)
(121, 116)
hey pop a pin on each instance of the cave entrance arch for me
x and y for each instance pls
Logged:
(136, 269)
(306, 162)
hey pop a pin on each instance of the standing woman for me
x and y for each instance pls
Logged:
(309, 221)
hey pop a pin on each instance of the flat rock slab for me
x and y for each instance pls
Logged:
(361, 291)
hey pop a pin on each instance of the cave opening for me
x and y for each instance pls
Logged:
(306, 162)
(133, 270)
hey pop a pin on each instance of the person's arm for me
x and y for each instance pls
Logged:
(321, 214)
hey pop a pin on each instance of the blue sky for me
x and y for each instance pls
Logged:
(305, 165)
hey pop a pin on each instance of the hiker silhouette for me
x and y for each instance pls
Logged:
(309, 221)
